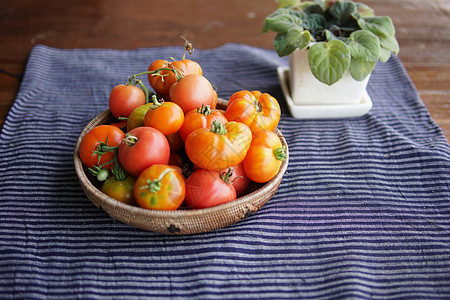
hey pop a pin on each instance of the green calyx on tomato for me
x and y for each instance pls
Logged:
(103, 148)
(204, 110)
(153, 185)
(130, 139)
(280, 153)
(218, 128)
(226, 176)
(156, 102)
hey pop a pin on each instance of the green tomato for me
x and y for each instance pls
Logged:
(121, 190)
(102, 175)
(136, 118)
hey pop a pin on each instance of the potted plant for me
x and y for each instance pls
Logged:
(333, 48)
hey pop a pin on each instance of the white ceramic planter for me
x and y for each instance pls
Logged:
(307, 90)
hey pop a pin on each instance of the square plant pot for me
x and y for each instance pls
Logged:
(308, 90)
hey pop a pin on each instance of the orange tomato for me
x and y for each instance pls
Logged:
(220, 146)
(264, 158)
(201, 117)
(160, 187)
(94, 147)
(164, 79)
(255, 109)
(166, 117)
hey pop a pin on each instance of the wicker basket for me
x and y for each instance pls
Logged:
(181, 221)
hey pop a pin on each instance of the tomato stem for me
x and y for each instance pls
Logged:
(130, 139)
(225, 176)
(280, 153)
(147, 92)
(178, 73)
(218, 127)
(157, 71)
(204, 110)
(153, 185)
(103, 148)
(187, 47)
(119, 173)
(156, 103)
(258, 106)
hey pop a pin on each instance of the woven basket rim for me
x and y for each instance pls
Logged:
(89, 188)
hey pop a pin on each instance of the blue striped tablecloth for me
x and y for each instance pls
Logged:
(362, 212)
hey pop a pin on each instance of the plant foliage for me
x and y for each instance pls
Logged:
(341, 35)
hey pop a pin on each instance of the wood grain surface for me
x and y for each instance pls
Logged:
(422, 29)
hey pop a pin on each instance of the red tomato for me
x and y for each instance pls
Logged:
(122, 125)
(192, 91)
(201, 117)
(124, 99)
(160, 187)
(264, 157)
(164, 79)
(175, 142)
(166, 117)
(175, 160)
(237, 178)
(205, 188)
(255, 109)
(95, 142)
(141, 148)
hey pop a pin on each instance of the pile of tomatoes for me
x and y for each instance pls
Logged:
(172, 147)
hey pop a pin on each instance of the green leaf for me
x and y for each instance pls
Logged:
(360, 68)
(315, 22)
(302, 40)
(330, 35)
(281, 21)
(285, 43)
(389, 43)
(384, 29)
(378, 25)
(287, 3)
(342, 11)
(364, 45)
(364, 10)
(329, 61)
(314, 9)
(282, 45)
(384, 55)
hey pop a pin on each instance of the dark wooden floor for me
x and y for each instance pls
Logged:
(423, 31)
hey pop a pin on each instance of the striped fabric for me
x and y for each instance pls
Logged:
(363, 210)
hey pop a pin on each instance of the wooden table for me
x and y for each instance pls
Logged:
(423, 32)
